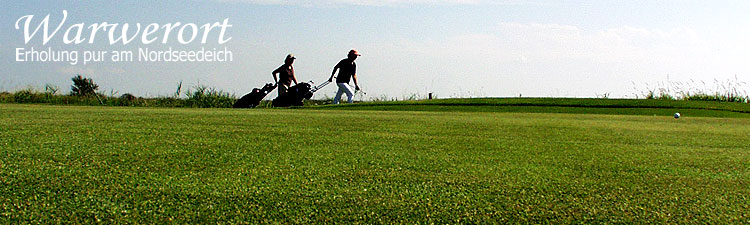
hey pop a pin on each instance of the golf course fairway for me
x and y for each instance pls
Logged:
(79, 164)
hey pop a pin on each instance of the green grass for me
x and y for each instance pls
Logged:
(560, 105)
(73, 164)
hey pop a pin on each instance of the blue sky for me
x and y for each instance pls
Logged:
(454, 48)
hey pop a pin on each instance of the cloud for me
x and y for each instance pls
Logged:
(554, 60)
(564, 42)
(384, 2)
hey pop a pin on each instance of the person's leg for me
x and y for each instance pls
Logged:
(338, 93)
(349, 93)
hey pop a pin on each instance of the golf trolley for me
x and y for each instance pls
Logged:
(252, 99)
(296, 94)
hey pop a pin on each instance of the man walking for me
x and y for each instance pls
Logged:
(286, 75)
(347, 70)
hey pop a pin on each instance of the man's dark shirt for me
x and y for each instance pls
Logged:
(347, 68)
(286, 73)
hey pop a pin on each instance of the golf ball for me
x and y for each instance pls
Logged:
(677, 115)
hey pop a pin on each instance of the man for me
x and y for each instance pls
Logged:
(286, 75)
(347, 70)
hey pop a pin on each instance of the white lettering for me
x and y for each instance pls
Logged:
(180, 36)
(150, 29)
(74, 34)
(123, 34)
(223, 30)
(77, 39)
(45, 22)
(168, 29)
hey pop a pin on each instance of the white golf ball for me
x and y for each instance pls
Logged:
(677, 115)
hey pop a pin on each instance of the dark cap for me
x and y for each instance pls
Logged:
(290, 56)
(354, 52)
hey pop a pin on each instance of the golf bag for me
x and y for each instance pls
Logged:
(253, 98)
(296, 94)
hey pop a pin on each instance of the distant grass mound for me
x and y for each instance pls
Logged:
(560, 105)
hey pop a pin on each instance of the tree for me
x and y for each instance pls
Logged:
(83, 86)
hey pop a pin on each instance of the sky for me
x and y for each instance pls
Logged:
(452, 48)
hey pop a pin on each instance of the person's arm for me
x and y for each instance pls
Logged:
(294, 77)
(275, 80)
(334, 72)
(354, 76)
(356, 85)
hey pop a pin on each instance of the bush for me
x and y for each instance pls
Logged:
(6, 97)
(201, 97)
(205, 97)
(83, 86)
(717, 97)
(127, 96)
(24, 96)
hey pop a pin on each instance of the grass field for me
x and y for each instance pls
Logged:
(648, 107)
(457, 162)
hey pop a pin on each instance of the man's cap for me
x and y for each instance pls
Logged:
(290, 56)
(354, 52)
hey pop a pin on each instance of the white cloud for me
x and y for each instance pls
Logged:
(553, 60)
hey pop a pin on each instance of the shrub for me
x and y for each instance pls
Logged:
(6, 97)
(24, 96)
(127, 96)
(205, 97)
(83, 86)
